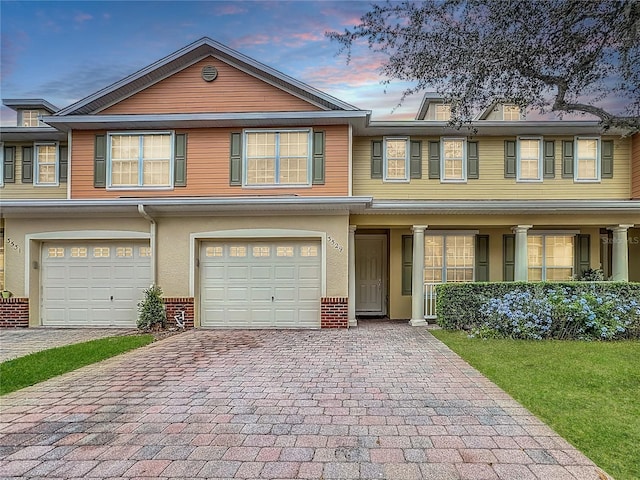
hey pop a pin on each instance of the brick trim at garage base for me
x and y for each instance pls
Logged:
(14, 312)
(334, 312)
(176, 305)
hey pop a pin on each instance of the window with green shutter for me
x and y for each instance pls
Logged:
(9, 165)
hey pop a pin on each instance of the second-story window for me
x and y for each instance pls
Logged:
(529, 167)
(30, 118)
(453, 160)
(140, 160)
(46, 163)
(587, 153)
(396, 159)
(277, 158)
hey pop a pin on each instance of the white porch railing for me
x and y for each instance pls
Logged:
(430, 301)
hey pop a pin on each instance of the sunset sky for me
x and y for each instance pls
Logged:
(64, 51)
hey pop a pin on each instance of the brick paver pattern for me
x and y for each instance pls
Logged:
(381, 401)
(17, 342)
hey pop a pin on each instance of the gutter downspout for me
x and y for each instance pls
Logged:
(152, 241)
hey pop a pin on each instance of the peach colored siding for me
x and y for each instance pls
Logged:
(492, 184)
(635, 167)
(208, 168)
(232, 91)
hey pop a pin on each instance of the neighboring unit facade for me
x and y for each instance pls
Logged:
(256, 201)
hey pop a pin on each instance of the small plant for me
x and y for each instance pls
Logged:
(592, 275)
(152, 314)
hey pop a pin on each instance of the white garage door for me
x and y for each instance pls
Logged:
(96, 284)
(256, 284)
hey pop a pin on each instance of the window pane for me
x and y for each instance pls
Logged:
(125, 151)
(293, 170)
(309, 251)
(535, 274)
(453, 159)
(396, 156)
(587, 155)
(529, 159)
(443, 112)
(433, 275)
(559, 251)
(534, 250)
(460, 251)
(46, 158)
(261, 171)
(433, 251)
(156, 172)
(264, 251)
(511, 112)
(559, 274)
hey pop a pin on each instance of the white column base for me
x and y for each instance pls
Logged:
(419, 322)
(353, 322)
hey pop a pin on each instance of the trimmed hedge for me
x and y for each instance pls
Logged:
(585, 310)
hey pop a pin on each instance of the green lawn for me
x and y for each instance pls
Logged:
(588, 392)
(37, 367)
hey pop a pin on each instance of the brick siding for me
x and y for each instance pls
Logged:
(177, 304)
(14, 312)
(334, 312)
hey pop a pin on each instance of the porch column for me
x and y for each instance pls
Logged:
(521, 267)
(351, 305)
(417, 279)
(620, 253)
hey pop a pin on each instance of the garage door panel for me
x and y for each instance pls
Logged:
(279, 277)
(79, 279)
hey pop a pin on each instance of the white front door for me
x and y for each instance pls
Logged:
(371, 274)
(93, 284)
(260, 284)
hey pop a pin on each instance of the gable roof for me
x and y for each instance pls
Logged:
(189, 55)
(429, 98)
(26, 103)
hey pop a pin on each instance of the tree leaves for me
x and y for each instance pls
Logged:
(553, 55)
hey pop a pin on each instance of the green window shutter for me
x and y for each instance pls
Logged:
(415, 165)
(63, 163)
(509, 257)
(509, 159)
(9, 174)
(549, 159)
(434, 160)
(180, 160)
(583, 254)
(318, 158)
(482, 258)
(100, 162)
(473, 161)
(235, 166)
(567, 159)
(607, 158)
(407, 264)
(376, 159)
(27, 164)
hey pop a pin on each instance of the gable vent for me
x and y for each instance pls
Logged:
(209, 73)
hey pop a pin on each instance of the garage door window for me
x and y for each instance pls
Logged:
(124, 252)
(236, 251)
(285, 252)
(55, 252)
(213, 251)
(78, 252)
(261, 251)
(101, 252)
(309, 251)
(145, 251)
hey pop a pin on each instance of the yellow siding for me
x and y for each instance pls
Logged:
(24, 191)
(492, 184)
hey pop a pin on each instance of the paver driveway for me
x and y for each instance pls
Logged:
(384, 400)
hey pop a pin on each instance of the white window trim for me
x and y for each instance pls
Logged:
(598, 160)
(552, 233)
(36, 164)
(407, 165)
(39, 122)
(141, 187)
(308, 184)
(540, 161)
(443, 179)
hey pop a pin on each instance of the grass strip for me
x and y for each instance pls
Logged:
(36, 367)
(588, 392)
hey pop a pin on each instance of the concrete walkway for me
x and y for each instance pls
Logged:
(384, 401)
(23, 341)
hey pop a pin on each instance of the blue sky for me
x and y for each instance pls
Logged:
(63, 51)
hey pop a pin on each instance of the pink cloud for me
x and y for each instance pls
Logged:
(82, 17)
(228, 9)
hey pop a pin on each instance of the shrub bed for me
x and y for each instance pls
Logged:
(560, 310)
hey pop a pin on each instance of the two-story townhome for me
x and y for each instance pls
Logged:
(257, 201)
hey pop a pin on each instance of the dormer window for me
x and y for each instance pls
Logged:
(510, 112)
(30, 118)
(443, 112)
